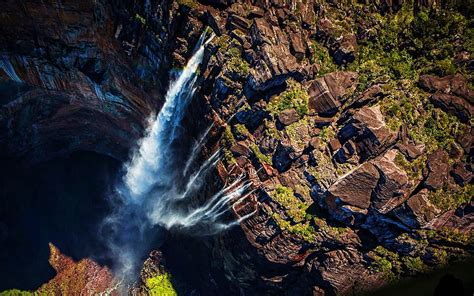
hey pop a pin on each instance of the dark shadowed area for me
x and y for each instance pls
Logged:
(59, 201)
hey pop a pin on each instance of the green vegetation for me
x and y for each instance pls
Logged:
(227, 141)
(326, 134)
(16, 292)
(141, 19)
(271, 130)
(188, 3)
(241, 131)
(303, 230)
(160, 285)
(237, 64)
(413, 168)
(387, 262)
(322, 58)
(261, 157)
(295, 96)
(447, 199)
(295, 208)
(414, 265)
(296, 211)
(450, 235)
(298, 133)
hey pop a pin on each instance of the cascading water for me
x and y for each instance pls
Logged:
(150, 196)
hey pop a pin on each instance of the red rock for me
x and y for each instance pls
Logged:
(454, 105)
(461, 174)
(326, 93)
(77, 278)
(392, 187)
(437, 169)
(356, 188)
(418, 211)
(289, 116)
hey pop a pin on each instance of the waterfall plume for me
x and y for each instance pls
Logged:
(157, 191)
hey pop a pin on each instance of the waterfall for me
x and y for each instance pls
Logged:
(160, 182)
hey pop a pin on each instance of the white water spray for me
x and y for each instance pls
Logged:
(158, 185)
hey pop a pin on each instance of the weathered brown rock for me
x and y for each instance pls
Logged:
(417, 211)
(461, 174)
(454, 105)
(356, 188)
(289, 116)
(367, 128)
(391, 189)
(437, 167)
(370, 95)
(326, 93)
(451, 84)
(345, 272)
(275, 63)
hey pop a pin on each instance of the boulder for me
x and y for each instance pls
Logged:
(461, 174)
(451, 84)
(283, 158)
(370, 95)
(344, 271)
(392, 186)
(410, 150)
(417, 211)
(327, 93)
(455, 105)
(355, 188)
(342, 47)
(368, 130)
(237, 22)
(347, 151)
(240, 149)
(297, 45)
(289, 116)
(334, 145)
(274, 63)
(437, 167)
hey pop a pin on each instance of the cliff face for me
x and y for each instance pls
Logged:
(352, 121)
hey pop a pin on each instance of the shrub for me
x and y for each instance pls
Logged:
(160, 285)
(295, 96)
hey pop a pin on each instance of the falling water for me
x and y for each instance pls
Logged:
(157, 188)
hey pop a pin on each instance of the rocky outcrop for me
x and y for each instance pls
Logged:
(79, 278)
(451, 93)
(418, 211)
(437, 170)
(334, 168)
(327, 93)
(368, 130)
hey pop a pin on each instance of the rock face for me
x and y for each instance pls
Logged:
(437, 170)
(417, 212)
(79, 278)
(367, 127)
(349, 164)
(451, 93)
(327, 93)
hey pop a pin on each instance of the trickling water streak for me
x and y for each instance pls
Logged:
(196, 149)
(7, 66)
(196, 179)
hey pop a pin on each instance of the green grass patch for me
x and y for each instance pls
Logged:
(161, 285)
(295, 96)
